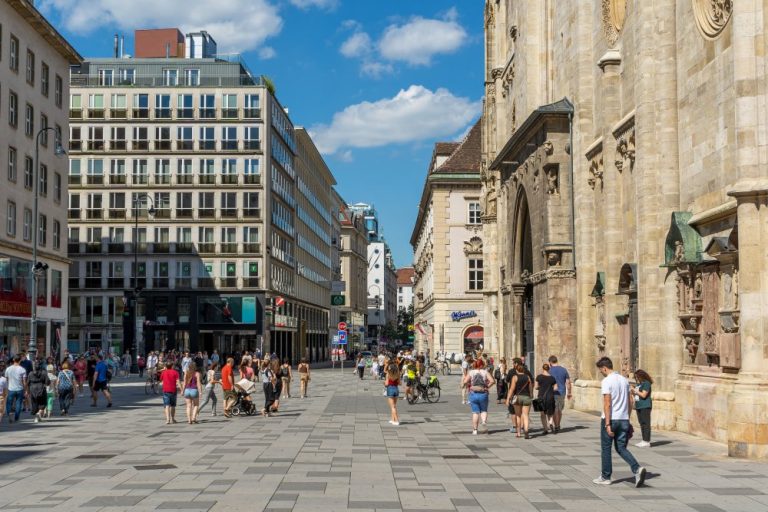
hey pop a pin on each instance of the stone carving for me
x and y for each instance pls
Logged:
(625, 147)
(554, 258)
(549, 148)
(496, 73)
(490, 198)
(490, 14)
(545, 275)
(513, 32)
(600, 322)
(712, 16)
(692, 346)
(614, 14)
(552, 180)
(473, 246)
(596, 172)
(710, 343)
(679, 252)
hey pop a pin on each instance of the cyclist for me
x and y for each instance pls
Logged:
(152, 362)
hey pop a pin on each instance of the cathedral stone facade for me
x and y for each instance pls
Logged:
(625, 182)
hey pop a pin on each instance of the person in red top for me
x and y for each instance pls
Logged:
(391, 384)
(171, 387)
(228, 385)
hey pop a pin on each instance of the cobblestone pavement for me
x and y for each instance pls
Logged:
(336, 451)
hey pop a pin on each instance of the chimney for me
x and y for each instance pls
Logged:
(122, 45)
(116, 39)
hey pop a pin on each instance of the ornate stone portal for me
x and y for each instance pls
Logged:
(712, 16)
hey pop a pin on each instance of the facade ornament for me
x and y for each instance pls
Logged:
(596, 172)
(600, 322)
(625, 150)
(614, 12)
(490, 198)
(490, 15)
(549, 148)
(496, 73)
(692, 346)
(554, 258)
(552, 180)
(513, 32)
(712, 16)
(473, 246)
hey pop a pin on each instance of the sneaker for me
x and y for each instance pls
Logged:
(640, 477)
(643, 444)
(512, 430)
(484, 428)
(109, 404)
(602, 481)
(474, 432)
(37, 419)
(395, 423)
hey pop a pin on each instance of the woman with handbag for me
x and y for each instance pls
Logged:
(643, 405)
(519, 398)
(545, 403)
(501, 380)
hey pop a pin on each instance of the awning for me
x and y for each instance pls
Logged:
(474, 333)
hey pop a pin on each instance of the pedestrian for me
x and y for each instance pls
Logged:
(546, 385)
(479, 381)
(501, 380)
(360, 366)
(391, 385)
(409, 369)
(37, 383)
(126, 363)
(268, 382)
(614, 424)
(466, 365)
(643, 404)
(152, 365)
(286, 375)
(519, 399)
(66, 388)
(228, 387)
(246, 372)
(303, 370)
(564, 389)
(90, 369)
(50, 390)
(141, 363)
(3, 388)
(81, 372)
(213, 378)
(16, 376)
(193, 388)
(100, 382)
(277, 383)
(185, 362)
(170, 379)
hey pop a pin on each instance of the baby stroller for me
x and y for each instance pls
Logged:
(243, 403)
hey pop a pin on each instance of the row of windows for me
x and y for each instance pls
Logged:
(309, 273)
(122, 269)
(316, 253)
(184, 201)
(283, 125)
(29, 173)
(282, 249)
(27, 227)
(141, 101)
(283, 156)
(30, 68)
(29, 119)
(314, 201)
(162, 234)
(184, 166)
(283, 187)
(282, 217)
(312, 224)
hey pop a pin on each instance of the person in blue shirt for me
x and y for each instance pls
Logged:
(100, 382)
(563, 381)
(643, 405)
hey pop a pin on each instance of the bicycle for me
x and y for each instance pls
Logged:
(429, 392)
(439, 366)
(151, 384)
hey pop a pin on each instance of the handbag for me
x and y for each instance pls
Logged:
(514, 397)
(538, 404)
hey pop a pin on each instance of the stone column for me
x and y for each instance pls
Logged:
(748, 402)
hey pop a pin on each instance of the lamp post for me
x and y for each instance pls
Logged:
(38, 268)
(138, 199)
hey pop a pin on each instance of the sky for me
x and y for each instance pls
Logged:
(376, 82)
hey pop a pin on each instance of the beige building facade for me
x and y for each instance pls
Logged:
(34, 66)
(354, 274)
(447, 240)
(624, 171)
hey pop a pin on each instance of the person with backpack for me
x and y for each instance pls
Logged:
(38, 383)
(479, 381)
(268, 381)
(141, 363)
(66, 388)
(519, 398)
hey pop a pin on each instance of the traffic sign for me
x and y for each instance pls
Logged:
(279, 301)
(342, 326)
(338, 300)
(342, 337)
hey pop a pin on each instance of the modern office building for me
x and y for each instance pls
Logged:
(182, 188)
(34, 65)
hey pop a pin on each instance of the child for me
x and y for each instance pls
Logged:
(375, 370)
(51, 390)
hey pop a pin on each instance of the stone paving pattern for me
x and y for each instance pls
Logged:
(336, 451)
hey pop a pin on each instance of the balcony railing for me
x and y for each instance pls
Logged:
(185, 113)
(95, 179)
(94, 214)
(118, 113)
(141, 113)
(207, 113)
(184, 179)
(229, 113)
(74, 284)
(73, 213)
(252, 145)
(229, 248)
(206, 248)
(161, 248)
(228, 282)
(140, 145)
(183, 213)
(118, 145)
(206, 213)
(207, 179)
(183, 282)
(95, 113)
(117, 213)
(74, 180)
(229, 213)
(115, 282)
(206, 145)
(251, 282)
(205, 282)
(252, 179)
(161, 282)
(117, 179)
(229, 179)
(163, 213)
(229, 145)
(185, 145)
(73, 248)
(163, 145)
(75, 113)
(140, 179)
(252, 213)
(96, 145)
(162, 113)
(75, 145)
(93, 282)
(184, 248)
(162, 179)
(93, 248)
(252, 113)
(252, 248)
(116, 248)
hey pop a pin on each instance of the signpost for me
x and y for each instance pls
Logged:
(342, 337)
(342, 326)
(279, 301)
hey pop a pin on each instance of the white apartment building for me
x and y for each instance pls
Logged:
(34, 65)
(405, 279)
(206, 146)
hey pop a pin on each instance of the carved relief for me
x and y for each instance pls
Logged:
(625, 147)
(513, 32)
(490, 198)
(473, 246)
(490, 15)
(600, 322)
(595, 179)
(496, 73)
(553, 185)
(554, 258)
(614, 14)
(712, 16)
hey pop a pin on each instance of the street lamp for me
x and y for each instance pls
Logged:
(137, 200)
(38, 268)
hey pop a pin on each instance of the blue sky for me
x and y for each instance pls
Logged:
(377, 82)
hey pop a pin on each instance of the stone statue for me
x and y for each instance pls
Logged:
(490, 199)
(679, 251)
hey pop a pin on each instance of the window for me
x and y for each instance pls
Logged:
(29, 120)
(229, 204)
(74, 206)
(207, 106)
(252, 108)
(57, 187)
(42, 230)
(140, 172)
(117, 201)
(170, 77)
(42, 185)
(94, 306)
(12, 164)
(184, 106)
(29, 172)
(43, 134)
(474, 213)
(13, 109)
(207, 173)
(30, 67)
(45, 79)
(27, 227)
(184, 171)
(95, 171)
(163, 137)
(117, 140)
(117, 172)
(10, 228)
(106, 77)
(192, 76)
(252, 137)
(119, 105)
(74, 171)
(58, 85)
(163, 106)
(56, 235)
(184, 205)
(229, 137)
(141, 106)
(207, 138)
(475, 274)
(163, 171)
(14, 60)
(96, 106)
(205, 203)
(251, 235)
(184, 138)
(127, 76)
(229, 171)
(140, 138)
(251, 204)
(229, 106)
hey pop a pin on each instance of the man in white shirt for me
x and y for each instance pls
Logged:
(185, 363)
(17, 386)
(152, 364)
(614, 424)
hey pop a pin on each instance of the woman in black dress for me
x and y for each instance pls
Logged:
(38, 383)
(547, 385)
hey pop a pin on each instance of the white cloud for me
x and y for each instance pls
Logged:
(417, 41)
(345, 156)
(357, 45)
(320, 4)
(376, 69)
(236, 25)
(412, 115)
(267, 53)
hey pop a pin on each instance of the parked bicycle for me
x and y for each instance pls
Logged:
(152, 384)
(429, 392)
(439, 367)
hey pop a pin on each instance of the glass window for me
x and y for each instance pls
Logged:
(29, 120)
(10, 228)
(106, 77)
(56, 235)
(96, 101)
(127, 76)
(252, 166)
(27, 227)
(13, 109)
(30, 67)
(170, 77)
(475, 267)
(192, 76)
(12, 164)
(59, 91)
(14, 60)
(45, 79)
(119, 101)
(474, 213)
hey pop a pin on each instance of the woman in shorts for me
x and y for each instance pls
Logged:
(391, 384)
(81, 370)
(193, 388)
(303, 370)
(519, 398)
(479, 381)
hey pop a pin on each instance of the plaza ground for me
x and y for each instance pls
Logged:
(336, 451)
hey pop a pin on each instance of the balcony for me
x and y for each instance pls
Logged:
(116, 248)
(75, 145)
(140, 145)
(252, 113)
(93, 214)
(141, 249)
(96, 145)
(162, 113)
(162, 145)
(118, 113)
(73, 248)
(206, 248)
(183, 213)
(229, 113)
(139, 179)
(117, 213)
(252, 179)
(207, 113)
(75, 113)
(185, 145)
(95, 179)
(254, 145)
(184, 248)
(251, 282)
(141, 113)
(117, 179)
(205, 282)
(206, 213)
(251, 248)
(228, 248)
(206, 145)
(115, 283)
(93, 248)
(184, 179)
(207, 179)
(229, 179)
(229, 145)
(163, 213)
(162, 179)
(93, 282)
(73, 214)
(229, 213)
(118, 145)
(183, 282)
(95, 113)
(162, 283)
(161, 248)
(74, 283)
(185, 113)
(228, 282)
(252, 213)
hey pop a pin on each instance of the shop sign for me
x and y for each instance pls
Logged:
(457, 316)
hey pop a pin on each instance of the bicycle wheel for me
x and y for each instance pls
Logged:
(433, 395)
(148, 387)
(432, 369)
(235, 411)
